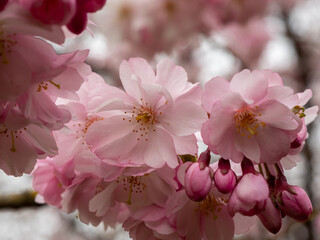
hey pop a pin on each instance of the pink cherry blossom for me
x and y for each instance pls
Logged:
(248, 118)
(247, 41)
(155, 119)
(22, 142)
(16, 20)
(150, 223)
(208, 219)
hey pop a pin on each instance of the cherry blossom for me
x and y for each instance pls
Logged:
(247, 117)
(155, 119)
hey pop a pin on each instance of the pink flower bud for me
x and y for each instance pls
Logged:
(225, 179)
(91, 5)
(271, 217)
(249, 196)
(295, 203)
(198, 181)
(78, 23)
(3, 3)
(51, 12)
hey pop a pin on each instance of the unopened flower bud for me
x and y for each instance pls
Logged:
(251, 193)
(3, 4)
(271, 217)
(198, 181)
(225, 179)
(249, 196)
(295, 203)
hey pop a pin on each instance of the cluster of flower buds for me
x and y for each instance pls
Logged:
(252, 193)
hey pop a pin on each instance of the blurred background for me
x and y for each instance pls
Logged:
(208, 38)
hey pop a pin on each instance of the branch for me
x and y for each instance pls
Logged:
(25, 199)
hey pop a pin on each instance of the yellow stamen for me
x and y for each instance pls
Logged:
(247, 123)
(55, 84)
(13, 149)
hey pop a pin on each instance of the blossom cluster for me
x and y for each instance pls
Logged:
(33, 76)
(130, 156)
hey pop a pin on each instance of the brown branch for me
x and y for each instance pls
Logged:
(25, 199)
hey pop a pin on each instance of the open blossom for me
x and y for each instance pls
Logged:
(249, 117)
(153, 121)
(207, 219)
(22, 142)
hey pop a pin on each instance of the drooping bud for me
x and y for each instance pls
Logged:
(271, 217)
(198, 181)
(251, 193)
(225, 179)
(295, 203)
(293, 200)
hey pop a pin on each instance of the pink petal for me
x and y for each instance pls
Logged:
(221, 228)
(19, 161)
(13, 82)
(252, 86)
(248, 146)
(173, 78)
(141, 68)
(160, 150)
(185, 144)
(133, 72)
(184, 118)
(215, 90)
(274, 144)
(276, 115)
(102, 201)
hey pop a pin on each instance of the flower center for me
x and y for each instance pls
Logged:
(133, 184)
(81, 127)
(44, 85)
(145, 118)
(11, 135)
(211, 204)
(247, 123)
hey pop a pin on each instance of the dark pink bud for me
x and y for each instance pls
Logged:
(225, 179)
(271, 217)
(249, 196)
(295, 203)
(78, 23)
(197, 182)
(91, 5)
(51, 11)
(204, 159)
(3, 3)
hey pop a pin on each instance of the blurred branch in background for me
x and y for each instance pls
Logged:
(20, 200)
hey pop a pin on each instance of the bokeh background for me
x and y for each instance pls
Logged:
(208, 38)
